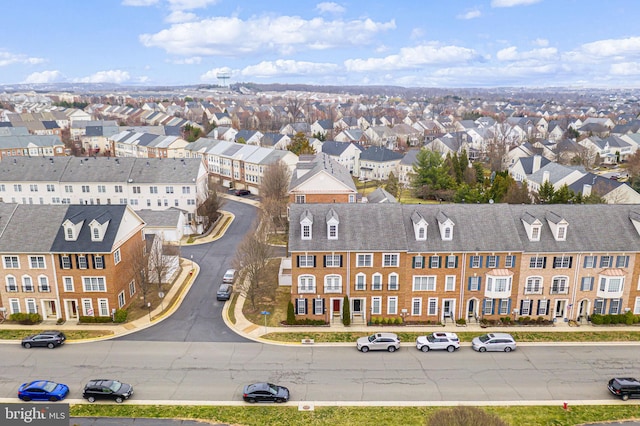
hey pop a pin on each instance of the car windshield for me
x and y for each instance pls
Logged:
(431, 338)
(372, 338)
(272, 388)
(49, 386)
(115, 386)
(484, 338)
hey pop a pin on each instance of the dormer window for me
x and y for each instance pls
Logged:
(70, 234)
(96, 233)
(306, 222)
(422, 233)
(447, 233)
(446, 226)
(558, 226)
(562, 231)
(98, 228)
(532, 225)
(71, 229)
(419, 226)
(333, 232)
(332, 224)
(535, 233)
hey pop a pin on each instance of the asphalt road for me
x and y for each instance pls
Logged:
(199, 318)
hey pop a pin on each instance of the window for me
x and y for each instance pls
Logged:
(598, 306)
(186, 190)
(488, 307)
(498, 284)
(31, 306)
(422, 233)
(424, 283)
(533, 286)
(562, 231)
(333, 284)
(121, 299)
(66, 262)
(390, 259)
(87, 307)
(560, 285)
(33, 187)
(434, 261)
(447, 233)
(17, 188)
(103, 307)
(535, 233)
(318, 306)
(450, 283)
(300, 199)
(98, 262)
(543, 306)
(474, 283)
(614, 306)
(132, 288)
(116, 256)
(27, 284)
(376, 282)
(102, 189)
(333, 232)
(606, 261)
(94, 284)
(169, 189)
(537, 262)
(492, 261)
(333, 261)
(68, 189)
(11, 262)
(525, 307)
(562, 262)
(364, 260)
(82, 262)
(361, 281)
(306, 284)
(636, 306)
(510, 261)
(85, 188)
(504, 307)
(418, 262)
(376, 305)
(118, 188)
(611, 284)
(306, 261)
(416, 306)
(452, 261)
(11, 284)
(586, 284)
(301, 304)
(306, 232)
(476, 262)
(154, 190)
(622, 261)
(590, 261)
(14, 306)
(43, 284)
(393, 282)
(68, 283)
(432, 306)
(392, 305)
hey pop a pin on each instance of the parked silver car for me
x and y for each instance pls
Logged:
(438, 341)
(496, 342)
(379, 342)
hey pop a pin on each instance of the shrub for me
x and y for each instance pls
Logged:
(120, 316)
(597, 319)
(464, 416)
(398, 321)
(375, 320)
(384, 321)
(506, 320)
(25, 319)
(94, 320)
(461, 321)
(60, 321)
(541, 320)
(346, 312)
(291, 313)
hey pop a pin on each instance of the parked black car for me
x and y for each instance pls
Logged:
(265, 392)
(107, 389)
(224, 292)
(242, 192)
(624, 387)
(49, 339)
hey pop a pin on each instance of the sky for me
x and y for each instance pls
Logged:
(410, 43)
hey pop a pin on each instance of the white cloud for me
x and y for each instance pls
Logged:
(111, 76)
(471, 14)
(329, 7)
(8, 58)
(511, 3)
(540, 42)
(212, 75)
(179, 16)
(190, 4)
(139, 2)
(191, 60)
(416, 33)
(284, 67)
(231, 36)
(511, 54)
(612, 47)
(625, 68)
(44, 77)
(414, 57)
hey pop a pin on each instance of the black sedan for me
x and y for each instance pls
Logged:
(107, 389)
(265, 392)
(49, 339)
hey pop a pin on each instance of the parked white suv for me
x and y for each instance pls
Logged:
(438, 341)
(379, 342)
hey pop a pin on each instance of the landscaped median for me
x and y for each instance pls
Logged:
(333, 415)
(606, 335)
(21, 333)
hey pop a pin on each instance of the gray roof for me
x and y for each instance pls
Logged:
(337, 148)
(160, 218)
(379, 154)
(478, 228)
(322, 162)
(380, 195)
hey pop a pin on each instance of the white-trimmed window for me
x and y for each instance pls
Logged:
(36, 262)
(393, 281)
(432, 306)
(11, 284)
(301, 199)
(636, 307)
(66, 262)
(537, 262)
(82, 262)
(306, 284)
(510, 261)
(87, 307)
(376, 281)
(27, 284)
(361, 281)
(434, 262)
(364, 260)
(416, 306)
(488, 307)
(332, 261)
(116, 257)
(318, 306)
(302, 306)
(474, 283)
(476, 261)
(32, 308)
(590, 261)
(424, 283)
(306, 261)
(333, 284)
(418, 262)
(92, 284)
(306, 232)
(43, 284)
(376, 305)
(103, 307)
(390, 259)
(452, 261)
(450, 283)
(11, 262)
(501, 284)
(533, 285)
(68, 283)
(543, 307)
(562, 262)
(132, 288)
(622, 261)
(525, 307)
(504, 307)
(614, 306)
(98, 262)
(14, 306)
(121, 299)
(333, 232)
(586, 284)
(606, 261)
(392, 305)
(611, 284)
(492, 261)
(559, 285)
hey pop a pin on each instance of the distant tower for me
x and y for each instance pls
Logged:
(224, 76)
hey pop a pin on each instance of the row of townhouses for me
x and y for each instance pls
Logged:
(66, 261)
(445, 262)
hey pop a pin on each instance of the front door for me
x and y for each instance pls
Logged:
(335, 307)
(50, 308)
(583, 310)
(447, 309)
(559, 311)
(471, 310)
(72, 309)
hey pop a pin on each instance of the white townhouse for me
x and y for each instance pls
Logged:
(153, 183)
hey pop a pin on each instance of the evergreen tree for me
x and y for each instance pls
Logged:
(392, 186)
(546, 192)
(346, 311)
(300, 145)
(563, 195)
(430, 174)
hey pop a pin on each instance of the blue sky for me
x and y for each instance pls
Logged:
(424, 43)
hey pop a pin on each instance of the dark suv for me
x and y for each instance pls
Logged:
(624, 387)
(49, 339)
(107, 389)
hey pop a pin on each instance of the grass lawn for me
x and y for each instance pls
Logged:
(19, 334)
(338, 416)
(269, 297)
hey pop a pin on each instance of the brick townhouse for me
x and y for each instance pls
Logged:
(66, 261)
(442, 262)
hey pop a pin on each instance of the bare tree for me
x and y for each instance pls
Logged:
(159, 262)
(139, 261)
(498, 145)
(274, 188)
(251, 258)
(209, 209)
(295, 108)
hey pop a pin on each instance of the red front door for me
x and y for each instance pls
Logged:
(336, 306)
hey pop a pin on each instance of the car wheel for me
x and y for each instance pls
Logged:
(252, 400)
(507, 349)
(364, 349)
(51, 345)
(53, 398)
(27, 345)
(25, 398)
(450, 348)
(391, 348)
(482, 349)
(425, 348)
(625, 397)
(281, 400)
(91, 399)
(119, 400)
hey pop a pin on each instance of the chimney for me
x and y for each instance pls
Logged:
(536, 163)
(586, 190)
(545, 176)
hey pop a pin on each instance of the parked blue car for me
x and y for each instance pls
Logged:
(43, 390)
